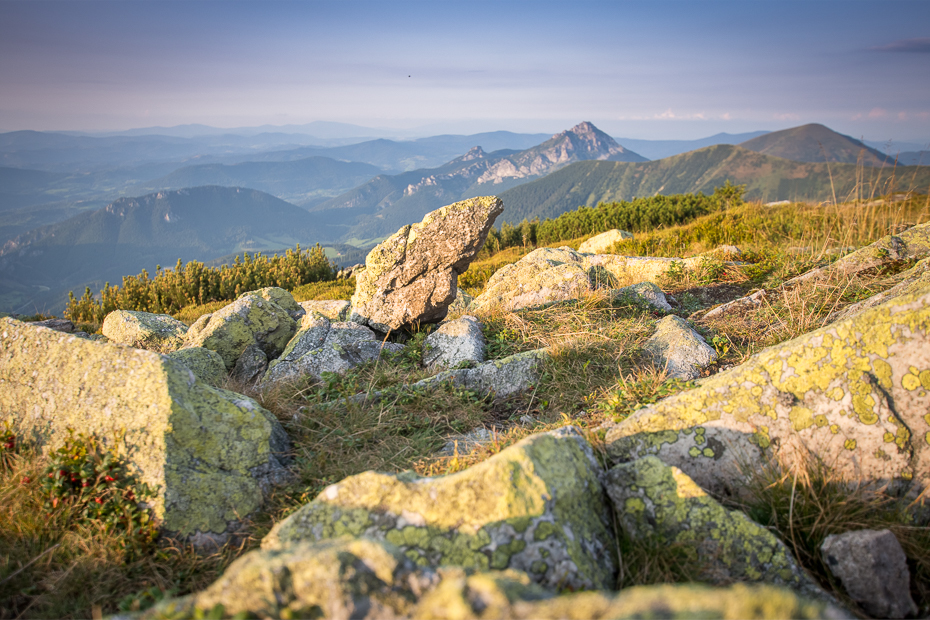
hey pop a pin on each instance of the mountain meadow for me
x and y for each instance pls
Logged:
(503, 375)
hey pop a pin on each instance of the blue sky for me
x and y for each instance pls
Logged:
(657, 70)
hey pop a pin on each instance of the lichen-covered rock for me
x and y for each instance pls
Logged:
(206, 365)
(455, 342)
(854, 394)
(367, 579)
(358, 578)
(748, 302)
(251, 319)
(323, 346)
(411, 278)
(332, 309)
(602, 243)
(251, 365)
(549, 275)
(59, 325)
(913, 243)
(656, 502)
(914, 280)
(643, 292)
(537, 506)
(208, 452)
(873, 570)
(678, 349)
(156, 332)
(504, 377)
(281, 297)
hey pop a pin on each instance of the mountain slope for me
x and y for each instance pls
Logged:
(300, 181)
(766, 178)
(386, 203)
(814, 143)
(38, 268)
(659, 149)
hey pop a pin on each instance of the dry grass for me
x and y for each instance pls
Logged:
(53, 566)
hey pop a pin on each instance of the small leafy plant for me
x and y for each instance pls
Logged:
(97, 485)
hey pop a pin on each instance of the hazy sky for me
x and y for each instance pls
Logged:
(645, 69)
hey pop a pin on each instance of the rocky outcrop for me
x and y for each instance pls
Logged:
(283, 299)
(536, 506)
(250, 320)
(454, 343)
(370, 579)
(873, 570)
(324, 346)
(660, 503)
(411, 278)
(854, 394)
(144, 330)
(604, 242)
(914, 280)
(206, 365)
(209, 453)
(549, 275)
(678, 349)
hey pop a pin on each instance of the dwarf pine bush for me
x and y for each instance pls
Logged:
(194, 283)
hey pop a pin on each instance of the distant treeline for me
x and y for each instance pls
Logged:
(637, 215)
(193, 283)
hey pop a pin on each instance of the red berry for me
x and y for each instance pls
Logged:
(98, 500)
(86, 483)
(26, 480)
(109, 478)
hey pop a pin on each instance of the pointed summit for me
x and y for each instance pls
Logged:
(588, 142)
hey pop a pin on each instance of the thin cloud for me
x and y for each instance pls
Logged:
(909, 46)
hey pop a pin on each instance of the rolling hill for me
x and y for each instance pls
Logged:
(815, 143)
(766, 178)
(37, 269)
(299, 182)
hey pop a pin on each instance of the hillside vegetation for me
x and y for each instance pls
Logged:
(597, 374)
(765, 178)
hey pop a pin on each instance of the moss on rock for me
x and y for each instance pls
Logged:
(144, 330)
(485, 517)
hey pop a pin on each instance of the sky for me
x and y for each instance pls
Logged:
(640, 69)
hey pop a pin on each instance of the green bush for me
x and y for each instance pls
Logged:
(194, 284)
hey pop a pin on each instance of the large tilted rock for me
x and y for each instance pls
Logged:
(873, 570)
(455, 342)
(208, 452)
(411, 277)
(549, 275)
(284, 299)
(368, 579)
(602, 243)
(324, 346)
(660, 503)
(854, 394)
(251, 319)
(332, 309)
(537, 506)
(914, 280)
(678, 349)
(156, 332)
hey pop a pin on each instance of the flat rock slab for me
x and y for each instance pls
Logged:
(156, 332)
(660, 503)
(854, 394)
(873, 569)
(504, 377)
(209, 453)
(411, 277)
(332, 309)
(537, 506)
(678, 349)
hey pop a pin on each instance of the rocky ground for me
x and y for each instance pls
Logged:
(594, 432)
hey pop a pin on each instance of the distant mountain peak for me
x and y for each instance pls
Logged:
(476, 152)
